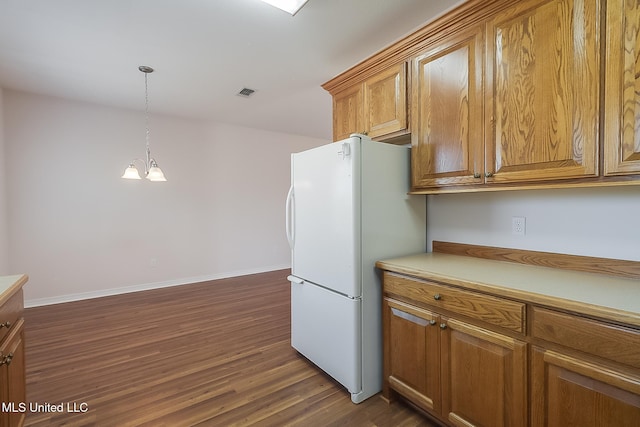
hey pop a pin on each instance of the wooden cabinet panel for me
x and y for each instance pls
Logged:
(622, 89)
(385, 102)
(497, 311)
(602, 339)
(12, 375)
(10, 312)
(484, 377)
(412, 355)
(543, 91)
(376, 107)
(347, 113)
(571, 392)
(446, 114)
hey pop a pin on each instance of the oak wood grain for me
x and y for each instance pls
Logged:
(446, 113)
(484, 376)
(347, 113)
(385, 101)
(569, 391)
(602, 339)
(210, 354)
(543, 82)
(496, 311)
(615, 267)
(622, 90)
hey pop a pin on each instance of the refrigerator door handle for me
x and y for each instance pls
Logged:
(346, 150)
(294, 279)
(289, 214)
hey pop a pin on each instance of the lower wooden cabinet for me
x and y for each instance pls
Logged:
(458, 372)
(484, 376)
(412, 354)
(472, 358)
(571, 391)
(12, 377)
(12, 352)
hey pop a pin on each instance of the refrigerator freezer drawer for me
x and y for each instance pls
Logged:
(325, 328)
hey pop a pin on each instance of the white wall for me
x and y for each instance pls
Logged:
(4, 225)
(601, 222)
(79, 230)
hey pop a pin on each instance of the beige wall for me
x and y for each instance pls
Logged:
(4, 224)
(79, 230)
(601, 222)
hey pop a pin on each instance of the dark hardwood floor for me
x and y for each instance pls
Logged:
(210, 354)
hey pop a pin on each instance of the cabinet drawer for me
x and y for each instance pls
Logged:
(10, 312)
(494, 310)
(612, 342)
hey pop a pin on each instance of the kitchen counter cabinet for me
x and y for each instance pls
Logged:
(440, 360)
(476, 341)
(12, 360)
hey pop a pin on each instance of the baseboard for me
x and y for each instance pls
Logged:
(147, 286)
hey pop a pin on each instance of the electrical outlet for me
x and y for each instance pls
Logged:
(518, 225)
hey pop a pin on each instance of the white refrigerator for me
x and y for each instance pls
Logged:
(347, 208)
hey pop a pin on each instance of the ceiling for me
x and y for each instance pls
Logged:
(203, 53)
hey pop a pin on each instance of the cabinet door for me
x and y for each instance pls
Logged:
(347, 113)
(12, 375)
(385, 102)
(571, 392)
(484, 377)
(411, 354)
(543, 76)
(622, 90)
(446, 114)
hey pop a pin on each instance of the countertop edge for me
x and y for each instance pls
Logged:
(13, 288)
(605, 313)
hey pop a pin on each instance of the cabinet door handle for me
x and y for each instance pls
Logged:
(437, 297)
(432, 322)
(477, 175)
(7, 359)
(6, 324)
(488, 174)
(443, 326)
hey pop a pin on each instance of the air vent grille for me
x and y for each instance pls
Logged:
(246, 92)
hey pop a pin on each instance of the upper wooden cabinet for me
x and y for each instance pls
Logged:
(347, 113)
(385, 102)
(376, 107)
(446, 120)
(622, 89)
(543, 74)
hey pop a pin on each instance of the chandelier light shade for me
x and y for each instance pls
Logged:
(151, 170)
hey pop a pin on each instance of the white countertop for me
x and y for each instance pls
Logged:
(611, 297)
(10, 284)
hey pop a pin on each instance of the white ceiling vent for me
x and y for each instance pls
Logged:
(245, 92)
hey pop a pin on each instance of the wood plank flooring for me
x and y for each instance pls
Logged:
(209, 354)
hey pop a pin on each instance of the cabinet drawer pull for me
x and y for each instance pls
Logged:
(443, 326)
(437, 297)
(6, 324)
(410, 317)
